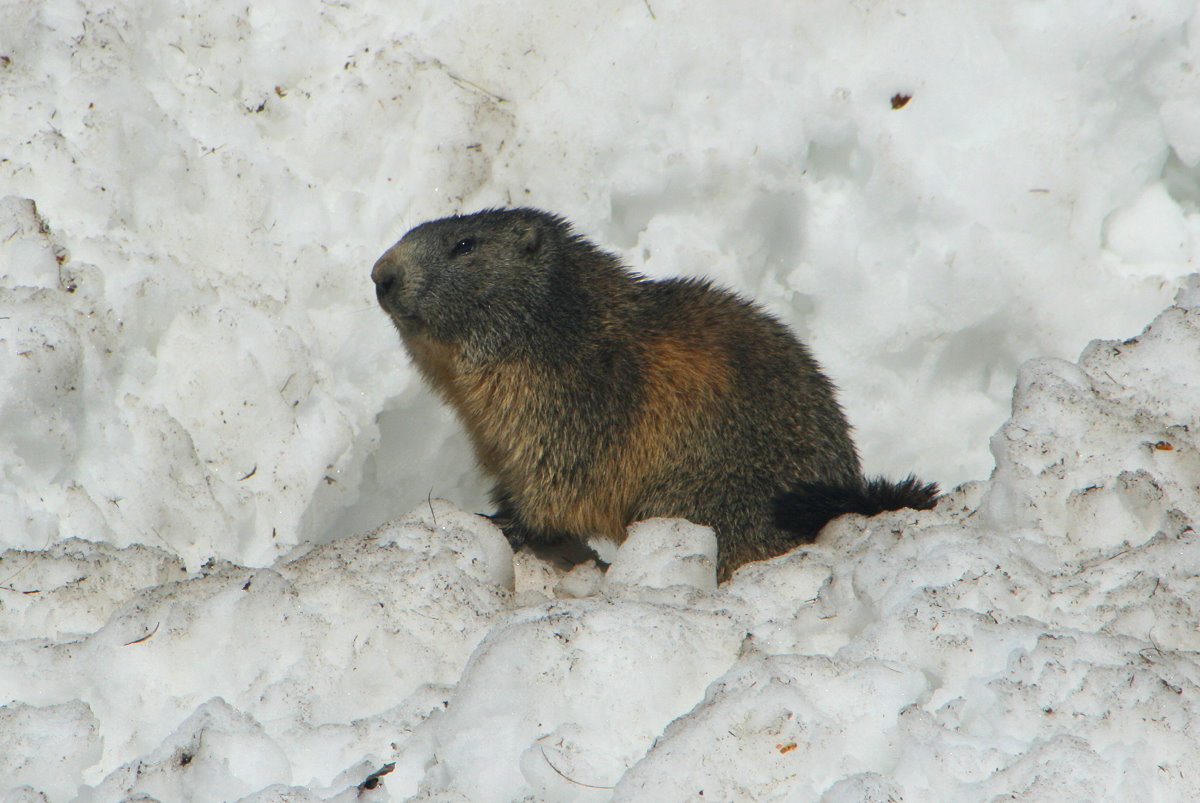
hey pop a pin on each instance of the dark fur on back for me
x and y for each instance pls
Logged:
(595, 397)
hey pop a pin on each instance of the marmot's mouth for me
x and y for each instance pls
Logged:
(385, 293)
(406, 322)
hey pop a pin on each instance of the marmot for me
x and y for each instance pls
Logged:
(596, 397)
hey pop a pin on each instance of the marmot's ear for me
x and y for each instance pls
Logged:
(530, 237)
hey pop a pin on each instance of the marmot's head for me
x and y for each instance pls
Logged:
(483, 275)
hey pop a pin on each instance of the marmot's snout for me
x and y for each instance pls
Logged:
(389, 277)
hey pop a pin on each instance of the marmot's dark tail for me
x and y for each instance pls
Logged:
(807, 508)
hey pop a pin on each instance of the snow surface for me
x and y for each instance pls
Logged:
(202, 408)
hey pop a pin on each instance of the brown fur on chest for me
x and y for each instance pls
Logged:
(522, 440)
(490, 400)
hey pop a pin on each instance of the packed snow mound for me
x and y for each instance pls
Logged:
(1032, 637)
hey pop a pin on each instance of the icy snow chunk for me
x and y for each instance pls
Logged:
(48, 747)
(661, 553)
(217, 749)
(1136, 397)
(658, 555)
(1181, 125)
(439, 531)
(72, 587)
(81, 457)
(573, 690)
(534, 578)
(278, 793)
(43, 379)
(25, 794)
(1157, 370)
(1152, 229)
(28, 257)
(583, 580)
(1123, 511)
(802, 722)
(863, 787)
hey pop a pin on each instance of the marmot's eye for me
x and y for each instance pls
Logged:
(464, 246)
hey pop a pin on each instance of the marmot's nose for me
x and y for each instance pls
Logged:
(383, 284)
(385, 274)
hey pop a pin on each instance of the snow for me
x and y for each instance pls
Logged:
(225, 570)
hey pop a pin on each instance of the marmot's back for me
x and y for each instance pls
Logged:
(596, 398)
